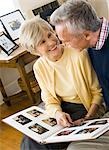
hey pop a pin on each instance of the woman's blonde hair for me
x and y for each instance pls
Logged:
(31, 33)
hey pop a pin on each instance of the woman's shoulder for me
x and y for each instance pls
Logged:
(39, 62)
(75, 54)
(84, 53)
(83, 57)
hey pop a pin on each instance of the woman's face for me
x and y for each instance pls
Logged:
(49, 46)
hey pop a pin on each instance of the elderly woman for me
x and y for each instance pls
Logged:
(69, 86)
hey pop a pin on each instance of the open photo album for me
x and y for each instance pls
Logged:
(35, 123)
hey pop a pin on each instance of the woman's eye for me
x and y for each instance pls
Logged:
(42, 42)
(49, 35)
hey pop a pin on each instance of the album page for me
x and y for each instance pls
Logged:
(88, 130)
(34, 123)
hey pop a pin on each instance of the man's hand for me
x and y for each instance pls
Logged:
(78, 122)
(63, 119)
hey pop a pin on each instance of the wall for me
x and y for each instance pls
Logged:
(101, 7)
(28, 5)
(1, 99)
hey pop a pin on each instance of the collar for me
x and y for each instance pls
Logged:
(103, 34)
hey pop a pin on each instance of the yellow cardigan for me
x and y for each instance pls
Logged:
(85, 80)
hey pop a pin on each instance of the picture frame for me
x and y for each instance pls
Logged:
(12, 22)
(6, 44)
(46, 10)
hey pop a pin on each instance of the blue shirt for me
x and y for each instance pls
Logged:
(100, 62)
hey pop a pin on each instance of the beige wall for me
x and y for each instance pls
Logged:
(101, 7)
(28, 5)
(1, 99)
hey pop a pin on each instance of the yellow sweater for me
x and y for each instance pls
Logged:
(84, 83)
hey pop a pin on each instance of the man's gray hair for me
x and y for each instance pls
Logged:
(78, 15)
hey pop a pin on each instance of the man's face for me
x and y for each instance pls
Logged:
(76, 41)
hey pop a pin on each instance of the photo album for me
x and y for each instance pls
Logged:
(35, 123)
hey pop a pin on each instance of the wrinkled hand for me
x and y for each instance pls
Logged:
(78, 122)
(63, 119)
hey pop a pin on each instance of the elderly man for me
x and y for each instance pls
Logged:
(78, 25)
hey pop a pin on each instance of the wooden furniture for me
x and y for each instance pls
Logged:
(33, 83)
(18, 59)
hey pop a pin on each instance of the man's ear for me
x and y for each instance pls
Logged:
(87, 35)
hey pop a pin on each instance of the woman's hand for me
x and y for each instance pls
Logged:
(63, 119)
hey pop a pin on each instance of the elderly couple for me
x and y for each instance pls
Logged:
(70, 88)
